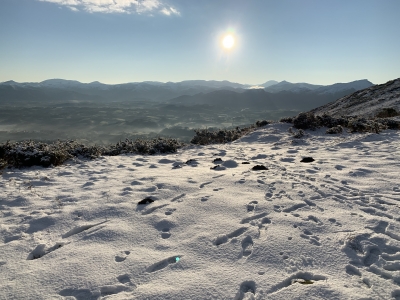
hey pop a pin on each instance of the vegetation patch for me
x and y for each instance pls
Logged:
(336, 125)
(387, 113)
(221, 136)
(334, 130)
(33, 153)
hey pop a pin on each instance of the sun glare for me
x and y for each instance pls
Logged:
(228, 41)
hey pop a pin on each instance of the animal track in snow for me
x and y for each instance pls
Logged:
(178, 198)
(247, 246)
(125, 279)
(80, 229)
(247, 290)
(305, 278)
(333, 221)
(79, 294)
(165, 234)
(370, 250)
(351, 270)
(224, 238)
(204, 184)
(294, 207)
(205, 198)
(247, 220)
(315, 219)
(170, 211)
(42, 250)
(122, 256)
(163, 264)
(152, 209)
(113, 289)
(252, 206)
(307, 234)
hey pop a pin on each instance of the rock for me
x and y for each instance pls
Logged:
(307, 159)
(259, 168)
(146, 200)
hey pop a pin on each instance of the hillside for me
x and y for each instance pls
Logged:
(365, 103)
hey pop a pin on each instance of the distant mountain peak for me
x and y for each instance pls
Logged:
(9, 82)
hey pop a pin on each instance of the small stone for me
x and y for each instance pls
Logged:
(146, 200)
(307, 159)
(259, 168)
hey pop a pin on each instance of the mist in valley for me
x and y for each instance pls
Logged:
(106, 114)
(91, 123)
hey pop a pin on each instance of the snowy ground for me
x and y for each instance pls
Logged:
(328, 229)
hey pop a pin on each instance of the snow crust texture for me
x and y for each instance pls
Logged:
(320, 221)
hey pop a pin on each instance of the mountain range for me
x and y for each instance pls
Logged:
(63, 90)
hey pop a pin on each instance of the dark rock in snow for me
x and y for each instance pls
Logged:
(191, 161)
(217, 160)
(146, 200)
(307, 159)
(245, 163)
(259, 168)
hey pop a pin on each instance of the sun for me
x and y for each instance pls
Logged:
(228, 41)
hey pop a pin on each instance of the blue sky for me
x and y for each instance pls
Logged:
(117, 41)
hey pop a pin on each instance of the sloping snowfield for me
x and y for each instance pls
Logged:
(326, 229)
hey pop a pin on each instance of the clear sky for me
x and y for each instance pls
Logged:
(118, 41)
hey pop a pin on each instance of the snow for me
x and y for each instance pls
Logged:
(327, 229)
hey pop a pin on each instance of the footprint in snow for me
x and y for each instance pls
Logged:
(165, 234)
(205, 198)
(122, 256)
(247, 246)
(42, 250)
(170, 211)
(125, 279)
(218, 168)
(163, 263)
(252, 206)
(247, 290)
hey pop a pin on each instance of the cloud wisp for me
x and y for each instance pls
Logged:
(118, 6)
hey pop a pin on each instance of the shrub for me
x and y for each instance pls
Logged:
(262, 123)
(364, 125)
(153, 146)
(335, 130)
(389, 123)
(305, 121)
(296, 134)
(31, 153)
(206, 137)
(387, 113)
(286, 120)
(328, 121)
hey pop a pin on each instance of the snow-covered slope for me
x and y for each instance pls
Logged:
(217, 229)
(367, 102)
